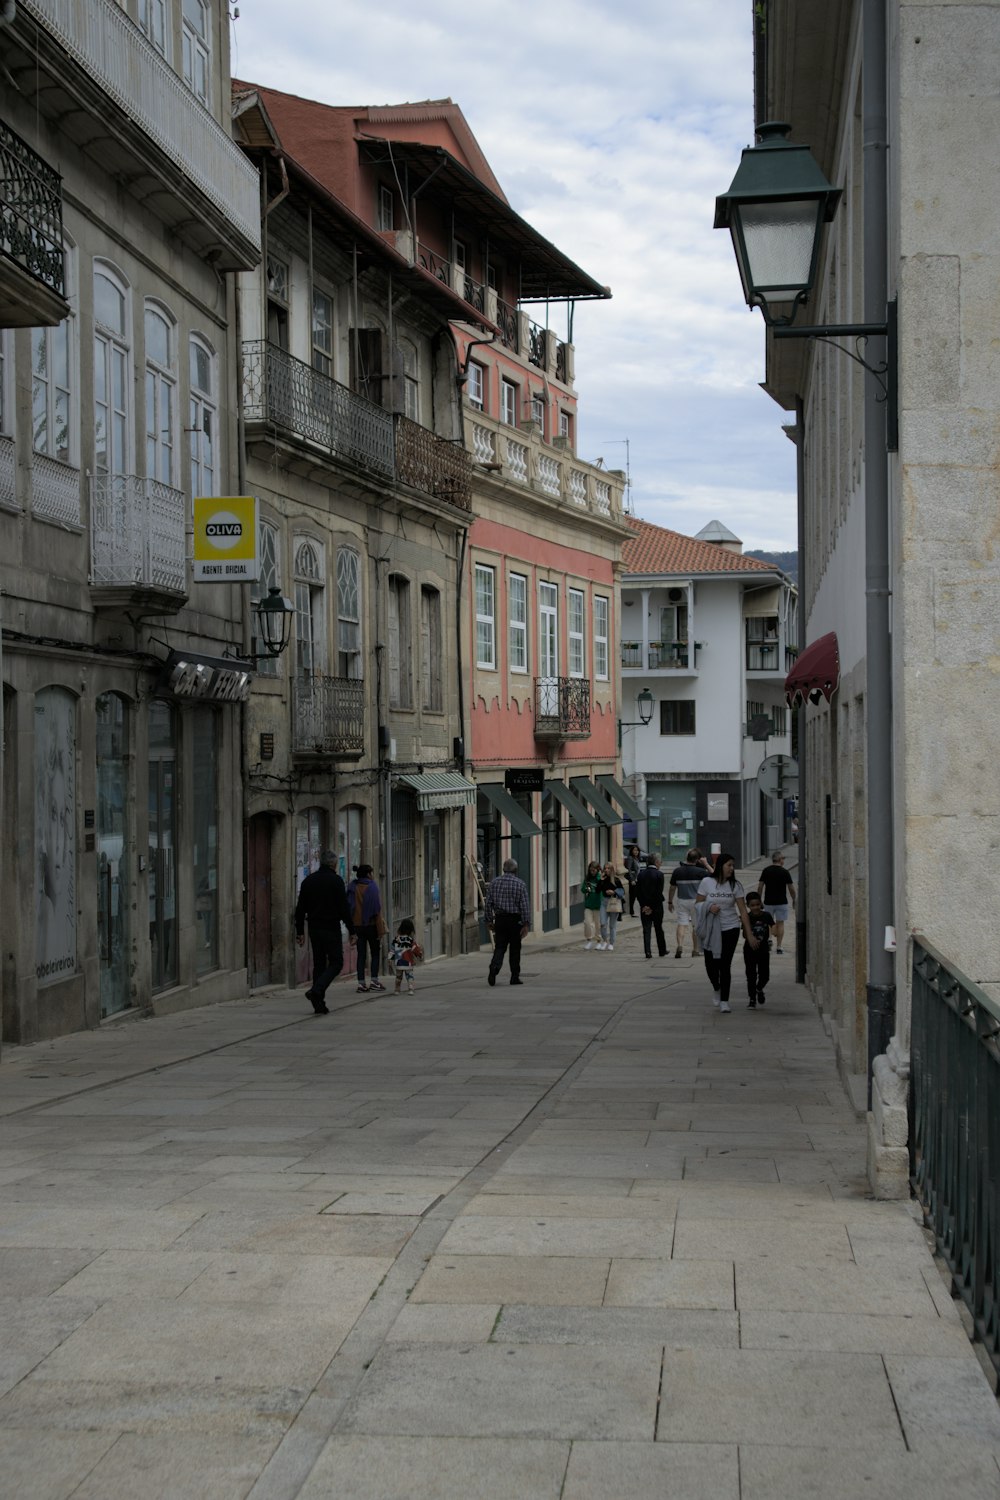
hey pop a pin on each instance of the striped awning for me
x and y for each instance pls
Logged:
(440, 789)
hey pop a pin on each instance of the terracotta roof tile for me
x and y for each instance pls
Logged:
(654, 549)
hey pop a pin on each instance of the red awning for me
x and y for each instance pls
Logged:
(816, 674)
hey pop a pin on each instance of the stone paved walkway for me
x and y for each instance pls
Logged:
(582, 1240)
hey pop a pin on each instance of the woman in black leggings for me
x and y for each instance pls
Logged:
(726, 899)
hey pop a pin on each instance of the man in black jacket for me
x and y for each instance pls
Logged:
(649, 894)
(323, 904)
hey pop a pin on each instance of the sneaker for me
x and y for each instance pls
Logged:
(588, 945)
(515, 981)
(409, 989)
(724, 1006)
(396, 988)
(491, 978)
(779, 950)
(677, 953)
(761, 997)
(716, 997)
(362, 989)
(376, 984)
(601, 947)
(752, 1005)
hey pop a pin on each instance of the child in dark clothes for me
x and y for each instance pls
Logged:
(757, 961)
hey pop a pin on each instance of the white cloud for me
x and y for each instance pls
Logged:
(611, 127)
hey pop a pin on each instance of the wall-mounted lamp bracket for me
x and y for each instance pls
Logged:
(883, 373)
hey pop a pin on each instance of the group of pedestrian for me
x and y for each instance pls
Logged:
(714, 906)
(603, 892)
(724, 909)
(327, 906)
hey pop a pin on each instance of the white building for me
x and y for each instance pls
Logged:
(710, 634)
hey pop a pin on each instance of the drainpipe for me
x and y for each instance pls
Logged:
(801, 909)
(881, 988)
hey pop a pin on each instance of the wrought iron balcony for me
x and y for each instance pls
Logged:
(94, 58)
(288, 394)
(562, 708)
(137, 539)
(433, 464)
(328, 717)
(32, 284)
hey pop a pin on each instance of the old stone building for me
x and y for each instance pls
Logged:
(126, 206)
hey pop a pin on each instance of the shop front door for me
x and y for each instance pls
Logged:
(433, 894)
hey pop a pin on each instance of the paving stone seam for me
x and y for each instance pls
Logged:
(296, 1454)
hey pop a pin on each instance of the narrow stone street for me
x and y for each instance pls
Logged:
(587, 1240)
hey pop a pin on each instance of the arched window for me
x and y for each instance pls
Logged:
(161, 387)
(348, 613)
(407, 374)
(310, 631)
(202, 418)
(431, 649)
(54, 381)
(269, 559)
(112, 373)
(400, 671)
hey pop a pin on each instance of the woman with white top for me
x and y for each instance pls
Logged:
(726, 899)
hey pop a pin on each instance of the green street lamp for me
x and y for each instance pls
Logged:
(645, 703)
(273, 615)
(775, 211)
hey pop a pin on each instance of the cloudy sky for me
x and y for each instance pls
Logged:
(611, 125)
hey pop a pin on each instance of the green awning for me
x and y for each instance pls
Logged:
(571, 802)
(618, 794)
(504, 803)
(440, 789)
(587, 792)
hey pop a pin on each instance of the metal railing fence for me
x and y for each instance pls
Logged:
(955, 1130)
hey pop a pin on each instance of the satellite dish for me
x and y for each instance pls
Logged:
(779, 776)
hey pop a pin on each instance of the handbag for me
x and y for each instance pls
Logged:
(612, 904)
(380, 927)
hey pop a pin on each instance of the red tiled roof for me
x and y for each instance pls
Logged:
(654, 549)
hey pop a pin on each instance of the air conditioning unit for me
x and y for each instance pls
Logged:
(676, 595)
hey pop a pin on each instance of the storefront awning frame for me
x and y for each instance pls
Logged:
(572, 804)
(438, 790)
(522, 825)
(618, 794)
(589, 793)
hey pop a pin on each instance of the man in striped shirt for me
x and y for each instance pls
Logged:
(508, 916)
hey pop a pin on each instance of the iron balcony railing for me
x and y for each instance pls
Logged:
(328, 716)
(433, 464)
(507, 322)
(290, 394)
(137, 534)
(955, 1130)
(114, 52)
(31, 230)
(662, 655)
(562, 708)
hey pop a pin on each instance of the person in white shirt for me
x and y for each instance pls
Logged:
(725, 898)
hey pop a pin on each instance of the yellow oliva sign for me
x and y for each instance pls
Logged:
(225, 539)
